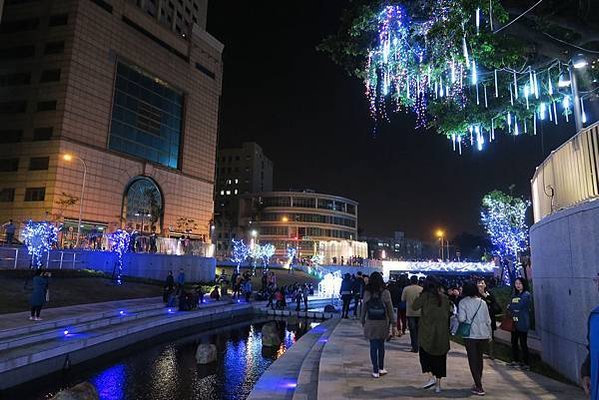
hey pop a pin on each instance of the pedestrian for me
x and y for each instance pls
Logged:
(358, 292)
(9, 229)
(305, 293)
(38, 296)
(409, 295)
(519, 308)
(247, 289)
(346, 294)
(402, 318)
(169, 286)
(433, 331)
(474, 311)
(494, 309)
(376, 316)
(181, 278)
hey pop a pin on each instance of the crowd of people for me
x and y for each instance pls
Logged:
(432, 311)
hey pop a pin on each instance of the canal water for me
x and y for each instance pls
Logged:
(168, 370)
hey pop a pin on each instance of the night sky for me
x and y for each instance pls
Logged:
(312, 120)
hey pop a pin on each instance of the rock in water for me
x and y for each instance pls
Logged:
(329, 308)
(270, 335)
(206, 353)
(82, 391)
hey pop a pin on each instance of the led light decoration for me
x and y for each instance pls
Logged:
(39, 237)
(266, 252)
(239, 253)
(119, 243)
(504, 219)
(330, 285)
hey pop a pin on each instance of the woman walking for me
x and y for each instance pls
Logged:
(474, 311)
(377, 315)
(38, 297)
(519, 307)
(433, 331)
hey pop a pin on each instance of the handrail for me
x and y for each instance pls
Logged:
(568, 176)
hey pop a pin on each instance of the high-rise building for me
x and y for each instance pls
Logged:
(240, 170)
(129, 92)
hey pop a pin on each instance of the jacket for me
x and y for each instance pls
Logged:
(409, 294)
(377, 329)
(433, 327)
(480, 320)
(519, 307)
(346, 287)
(40, 286)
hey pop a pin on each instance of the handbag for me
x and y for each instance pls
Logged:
(464, 327)
(507, 323)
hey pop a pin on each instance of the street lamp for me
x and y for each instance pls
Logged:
(440, 234)
(69, 157)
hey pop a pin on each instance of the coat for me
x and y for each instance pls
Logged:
(377, 329)
(433, 326)
(478, 318)
(40, 286)
(520, 309)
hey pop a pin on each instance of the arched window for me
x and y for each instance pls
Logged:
(143, 206)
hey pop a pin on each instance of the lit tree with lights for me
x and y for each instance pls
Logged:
(266, 252)
(239, 253)
(504, 219)
(467, 68)
(119, 243)
(39, 237)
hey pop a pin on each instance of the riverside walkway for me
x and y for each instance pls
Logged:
(344, 373)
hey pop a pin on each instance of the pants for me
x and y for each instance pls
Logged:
(522, 337)
(474, 349)
(9, 238)
(35, 311)
(306, 302)
(377, 354)
(356, 305)
(346, 302)
(413, 326)
(247, 296)
(402, 323)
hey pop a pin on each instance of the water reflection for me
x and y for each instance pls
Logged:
(170, 371)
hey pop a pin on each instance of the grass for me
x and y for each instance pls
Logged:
(503, 352)
(69, 288)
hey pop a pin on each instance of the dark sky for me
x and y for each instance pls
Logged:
(312, 120)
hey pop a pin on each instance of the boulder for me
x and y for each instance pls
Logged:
(329, 308)
(82, 391)
(206, 354)
(270, 335)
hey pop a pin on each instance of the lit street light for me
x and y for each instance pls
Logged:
(440, 234)
(69, 157)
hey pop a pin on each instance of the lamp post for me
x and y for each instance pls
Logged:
(69, 157)
(440, 234)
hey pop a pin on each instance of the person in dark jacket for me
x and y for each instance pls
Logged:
(494, 309)
(346, 294)
(358, 292)
(169, 286)
(519, 308)
(38, 297)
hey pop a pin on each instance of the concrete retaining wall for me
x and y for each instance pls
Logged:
(565, 260)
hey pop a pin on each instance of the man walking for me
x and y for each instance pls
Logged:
(409, 295)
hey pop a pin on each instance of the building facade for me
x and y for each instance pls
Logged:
(398, 247)
(313, 223)
(130, 101)
(239, 171)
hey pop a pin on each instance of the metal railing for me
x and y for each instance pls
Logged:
(569, 175)
(19, 258)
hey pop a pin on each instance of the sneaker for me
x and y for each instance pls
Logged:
(429, 384)
(383, 372)
(478, 391)
(375, 375)
(38, 319)
(438, 388)
(31, 318)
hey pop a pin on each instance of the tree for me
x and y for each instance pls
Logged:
(39, 237)
(239, 253)
(463, 78)
(64, 202)
(504, 219)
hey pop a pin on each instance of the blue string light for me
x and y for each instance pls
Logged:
(119, 243)
(39, 237)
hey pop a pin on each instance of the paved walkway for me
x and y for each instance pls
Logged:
(345, 373)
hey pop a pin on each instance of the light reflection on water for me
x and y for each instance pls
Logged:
(169, 371)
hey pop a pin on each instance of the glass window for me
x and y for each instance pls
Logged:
(35, 194)
(15, 79)
(42, 133)
(12, 107)
(46, 105)
(11, 135)
(339, 206)
(54, 48)
(11, 53)
(146, 117)
(9, 165)
(276, 201)
(326, 204)
(351, 209)
(50, 75)
(7, 195)
(20, 25)
(38, 163)
(58, 20)
(305, 202)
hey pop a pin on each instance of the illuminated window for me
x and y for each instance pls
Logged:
(236, 191)
(236, 180)
(228, 192)
(222, 192)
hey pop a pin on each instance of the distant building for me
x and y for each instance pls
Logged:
(314, 223)
(397, 247)
(239, 171)
(128, 90)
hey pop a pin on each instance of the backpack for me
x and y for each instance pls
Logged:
(376, 309)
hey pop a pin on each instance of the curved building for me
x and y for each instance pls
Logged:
(315, 223)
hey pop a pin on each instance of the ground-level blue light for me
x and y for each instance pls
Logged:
(121, 312)
(66, 332)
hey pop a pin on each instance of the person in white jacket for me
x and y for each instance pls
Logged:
(474, 310)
